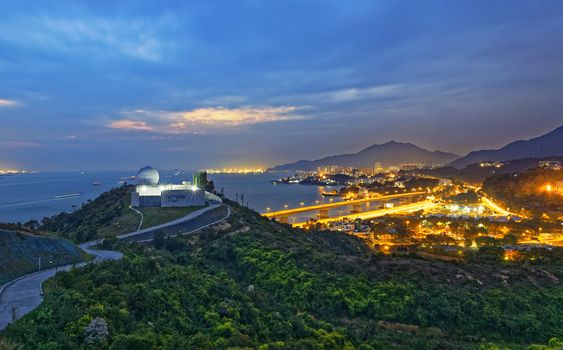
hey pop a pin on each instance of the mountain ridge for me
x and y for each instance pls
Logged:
(546, 145)
(388, 153)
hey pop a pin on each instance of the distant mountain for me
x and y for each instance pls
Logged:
(390, 153)
(548, 145)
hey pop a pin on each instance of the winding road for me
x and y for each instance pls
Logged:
(24, 294)
(20, 296)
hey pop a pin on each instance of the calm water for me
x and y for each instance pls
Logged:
(34, 196)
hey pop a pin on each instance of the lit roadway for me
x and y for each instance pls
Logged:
(377, 213)
(494, 207)
(288, 212)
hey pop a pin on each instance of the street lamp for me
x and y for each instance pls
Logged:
(285, 206)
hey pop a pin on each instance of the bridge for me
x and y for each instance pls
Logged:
(426, 204)
(282, 215)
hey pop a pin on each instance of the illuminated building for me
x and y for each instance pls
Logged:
(550, 164)
(445, 182)
(149, 193)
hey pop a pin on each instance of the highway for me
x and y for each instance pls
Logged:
(494, 207)
(379, 212)
(24, 294)
(288, 212)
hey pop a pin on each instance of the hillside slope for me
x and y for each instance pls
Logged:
(390, 153)
(20, 253)
(476, 174)
(256, 284)
(550, 144)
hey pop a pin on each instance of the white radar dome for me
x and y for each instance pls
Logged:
(148, 176)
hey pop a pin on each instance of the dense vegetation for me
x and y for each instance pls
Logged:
(109, 215)
(528, 190)
(20, 253)
(253, 284)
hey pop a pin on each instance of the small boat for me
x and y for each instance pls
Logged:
(333, 193)
(69, 195)
(96, 184)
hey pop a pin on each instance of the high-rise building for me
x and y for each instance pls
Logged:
(200, 179)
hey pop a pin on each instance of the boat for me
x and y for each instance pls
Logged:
(96, 184)
(69, 195)
(333, 193)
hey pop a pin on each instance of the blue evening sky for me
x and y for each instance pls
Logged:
(188, 84)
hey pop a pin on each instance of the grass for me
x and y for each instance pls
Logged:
(157, 216)
(128, 220)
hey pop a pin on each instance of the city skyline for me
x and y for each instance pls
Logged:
(104, 86)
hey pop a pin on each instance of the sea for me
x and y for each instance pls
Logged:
(33, 196)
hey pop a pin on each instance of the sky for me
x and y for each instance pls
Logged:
(115, 85)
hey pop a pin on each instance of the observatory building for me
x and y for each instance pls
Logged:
(149, 193)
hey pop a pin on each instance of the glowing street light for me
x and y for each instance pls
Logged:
(285, 206)
(548, 188)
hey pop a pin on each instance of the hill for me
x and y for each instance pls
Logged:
(109, 215)
(548, 145)
(20, 253)
(255, 284)
(527, 191)
(474, 173)
(390, 153)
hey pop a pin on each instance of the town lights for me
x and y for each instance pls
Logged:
(195, 188)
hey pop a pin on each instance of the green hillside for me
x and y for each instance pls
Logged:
(20, 253)
(255, 284)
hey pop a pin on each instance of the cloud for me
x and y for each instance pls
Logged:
(201, 120)
(102, 37)
(8, 103)
(354, 94)
(128, 124)
(18, 144)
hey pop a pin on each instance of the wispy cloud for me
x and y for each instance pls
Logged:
(8, 103)
(93, 36)
(201, 120)
(18, 144)
(128, 124)
(354, 94)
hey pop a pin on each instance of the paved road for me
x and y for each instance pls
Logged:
(23, 295)
(193, 222)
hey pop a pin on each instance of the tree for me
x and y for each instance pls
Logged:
(96, 332)
(159, 239)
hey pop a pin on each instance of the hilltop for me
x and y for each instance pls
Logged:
(390, 153)
(109, 215)
(251, 283)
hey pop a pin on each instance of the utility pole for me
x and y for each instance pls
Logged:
(242, 199)
(39, 264)
(236, 197)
